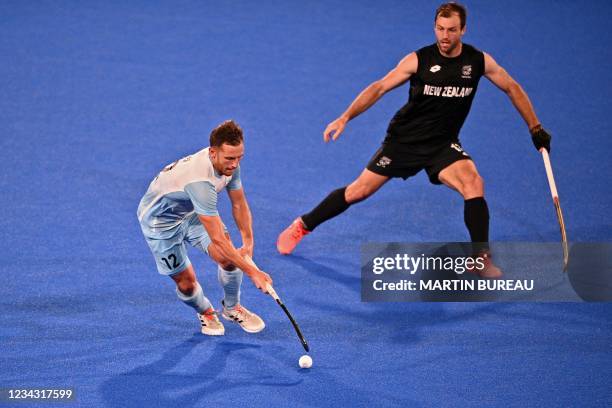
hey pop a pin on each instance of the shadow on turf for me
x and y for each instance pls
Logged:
(351, 282)
(400, 321)
(155, 384)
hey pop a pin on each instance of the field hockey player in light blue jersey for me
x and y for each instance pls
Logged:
(181, 206)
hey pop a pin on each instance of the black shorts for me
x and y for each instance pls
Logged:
(393, 161)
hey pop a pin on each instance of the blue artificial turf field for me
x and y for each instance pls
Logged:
(98, 96)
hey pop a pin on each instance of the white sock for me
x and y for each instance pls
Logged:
(197, 300)
(231, 281)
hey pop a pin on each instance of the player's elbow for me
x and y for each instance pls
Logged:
(513, 89)
(378, 88)
(240, 206)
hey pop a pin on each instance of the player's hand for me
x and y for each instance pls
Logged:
(540, 137)
(334, 129)
(261, 280)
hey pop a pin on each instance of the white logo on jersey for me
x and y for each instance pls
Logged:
(435, 68)
(459, 149)
(384, 162)
(466, 71)
(447, 91)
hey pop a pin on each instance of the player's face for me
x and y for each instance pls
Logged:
(226, 158)
(448, 34)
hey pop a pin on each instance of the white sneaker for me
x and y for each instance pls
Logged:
(210, 323)
(249, 321)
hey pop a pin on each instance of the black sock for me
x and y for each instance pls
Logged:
(476, 216)
(334, 204)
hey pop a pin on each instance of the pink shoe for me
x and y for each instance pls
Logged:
(290, 237)
(490, 270)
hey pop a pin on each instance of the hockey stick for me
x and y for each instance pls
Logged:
(555, 197)
(272, 293)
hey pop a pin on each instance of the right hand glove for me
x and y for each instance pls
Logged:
(540, 137)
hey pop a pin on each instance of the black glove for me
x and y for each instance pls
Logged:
(540, 138)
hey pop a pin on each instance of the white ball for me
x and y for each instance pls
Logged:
(305, 361)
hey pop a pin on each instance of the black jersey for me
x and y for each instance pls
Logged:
(441, 94)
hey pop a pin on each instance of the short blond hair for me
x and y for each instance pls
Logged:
(447, 10)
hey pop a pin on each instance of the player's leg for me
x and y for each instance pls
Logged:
(334, 204)
(341, 199)
(454, 168)
(171, 259)
(230, 278)
(463, 177)
(190, 292)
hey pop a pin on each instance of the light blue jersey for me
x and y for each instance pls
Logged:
(168, 211)
(188, 185)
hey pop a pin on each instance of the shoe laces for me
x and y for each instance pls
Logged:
(240, 312)
(298, 231)
(212, 316)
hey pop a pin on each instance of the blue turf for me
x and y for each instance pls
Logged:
(98, 96)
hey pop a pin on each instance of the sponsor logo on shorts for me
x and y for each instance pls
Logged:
(466, 71)
(435, 68)
(383, 161)
(459, 149)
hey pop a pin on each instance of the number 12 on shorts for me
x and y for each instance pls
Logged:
(169, 259)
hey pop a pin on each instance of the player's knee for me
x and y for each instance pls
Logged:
(218, 256)
(222, 261)
(355, 193)
(227, 265)
(186, 286)
(473, 186)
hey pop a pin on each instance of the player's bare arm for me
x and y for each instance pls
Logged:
(500, 78)
(498, 75)
(243, 218)
(370, 95)
(215, 231)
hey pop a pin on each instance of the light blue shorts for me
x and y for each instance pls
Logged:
(170, 253)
